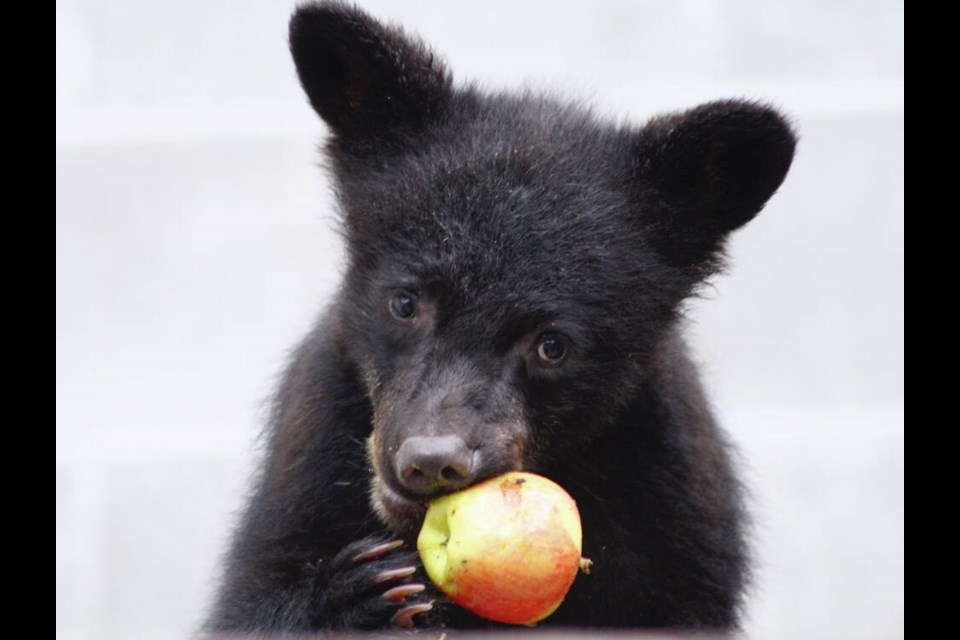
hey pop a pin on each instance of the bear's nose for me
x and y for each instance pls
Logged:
(431, 464)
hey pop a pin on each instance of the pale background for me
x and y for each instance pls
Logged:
(194, 247)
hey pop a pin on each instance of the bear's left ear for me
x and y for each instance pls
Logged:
(714, 167)
(367, 80)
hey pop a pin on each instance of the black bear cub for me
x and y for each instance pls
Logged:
(516, 273)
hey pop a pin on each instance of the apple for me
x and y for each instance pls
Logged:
(506, 549)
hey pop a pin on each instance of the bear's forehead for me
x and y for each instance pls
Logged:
(513, 199)
(495, 217)
(497, 188)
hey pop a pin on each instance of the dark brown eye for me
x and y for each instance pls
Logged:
(403, 306)
(552, 348)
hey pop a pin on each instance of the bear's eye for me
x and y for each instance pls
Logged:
(403, 306)
(552, 348)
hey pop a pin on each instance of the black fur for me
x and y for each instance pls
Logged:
(503, 221)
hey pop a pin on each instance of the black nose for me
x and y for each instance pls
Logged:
(430, 464)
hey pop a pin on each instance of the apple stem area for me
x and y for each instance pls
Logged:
(585, 565)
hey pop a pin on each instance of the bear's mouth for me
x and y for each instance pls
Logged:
(396, 511)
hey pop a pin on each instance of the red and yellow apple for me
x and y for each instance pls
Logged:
(506, 549)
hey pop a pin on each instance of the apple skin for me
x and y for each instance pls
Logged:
(506, 549)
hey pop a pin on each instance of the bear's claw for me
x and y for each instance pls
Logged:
(393, 574)
(397, 594)
(404, 617)
(377, 550)
(373, 583)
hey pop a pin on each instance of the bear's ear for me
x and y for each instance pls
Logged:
(364, 79)
(714, 167)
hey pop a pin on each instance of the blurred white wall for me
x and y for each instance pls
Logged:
(194, 247)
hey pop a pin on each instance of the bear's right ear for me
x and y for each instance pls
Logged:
(364, 79)
(714, 167)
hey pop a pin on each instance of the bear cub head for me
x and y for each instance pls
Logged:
(515, 263)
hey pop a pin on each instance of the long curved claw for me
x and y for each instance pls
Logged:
(404, 617)
(378, 550)
(397, 594)
(393, 574)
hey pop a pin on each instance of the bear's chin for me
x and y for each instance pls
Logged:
(401, 514)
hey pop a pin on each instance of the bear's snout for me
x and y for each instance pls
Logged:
(426, 465)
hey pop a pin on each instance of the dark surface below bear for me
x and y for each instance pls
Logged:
(517, 270)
